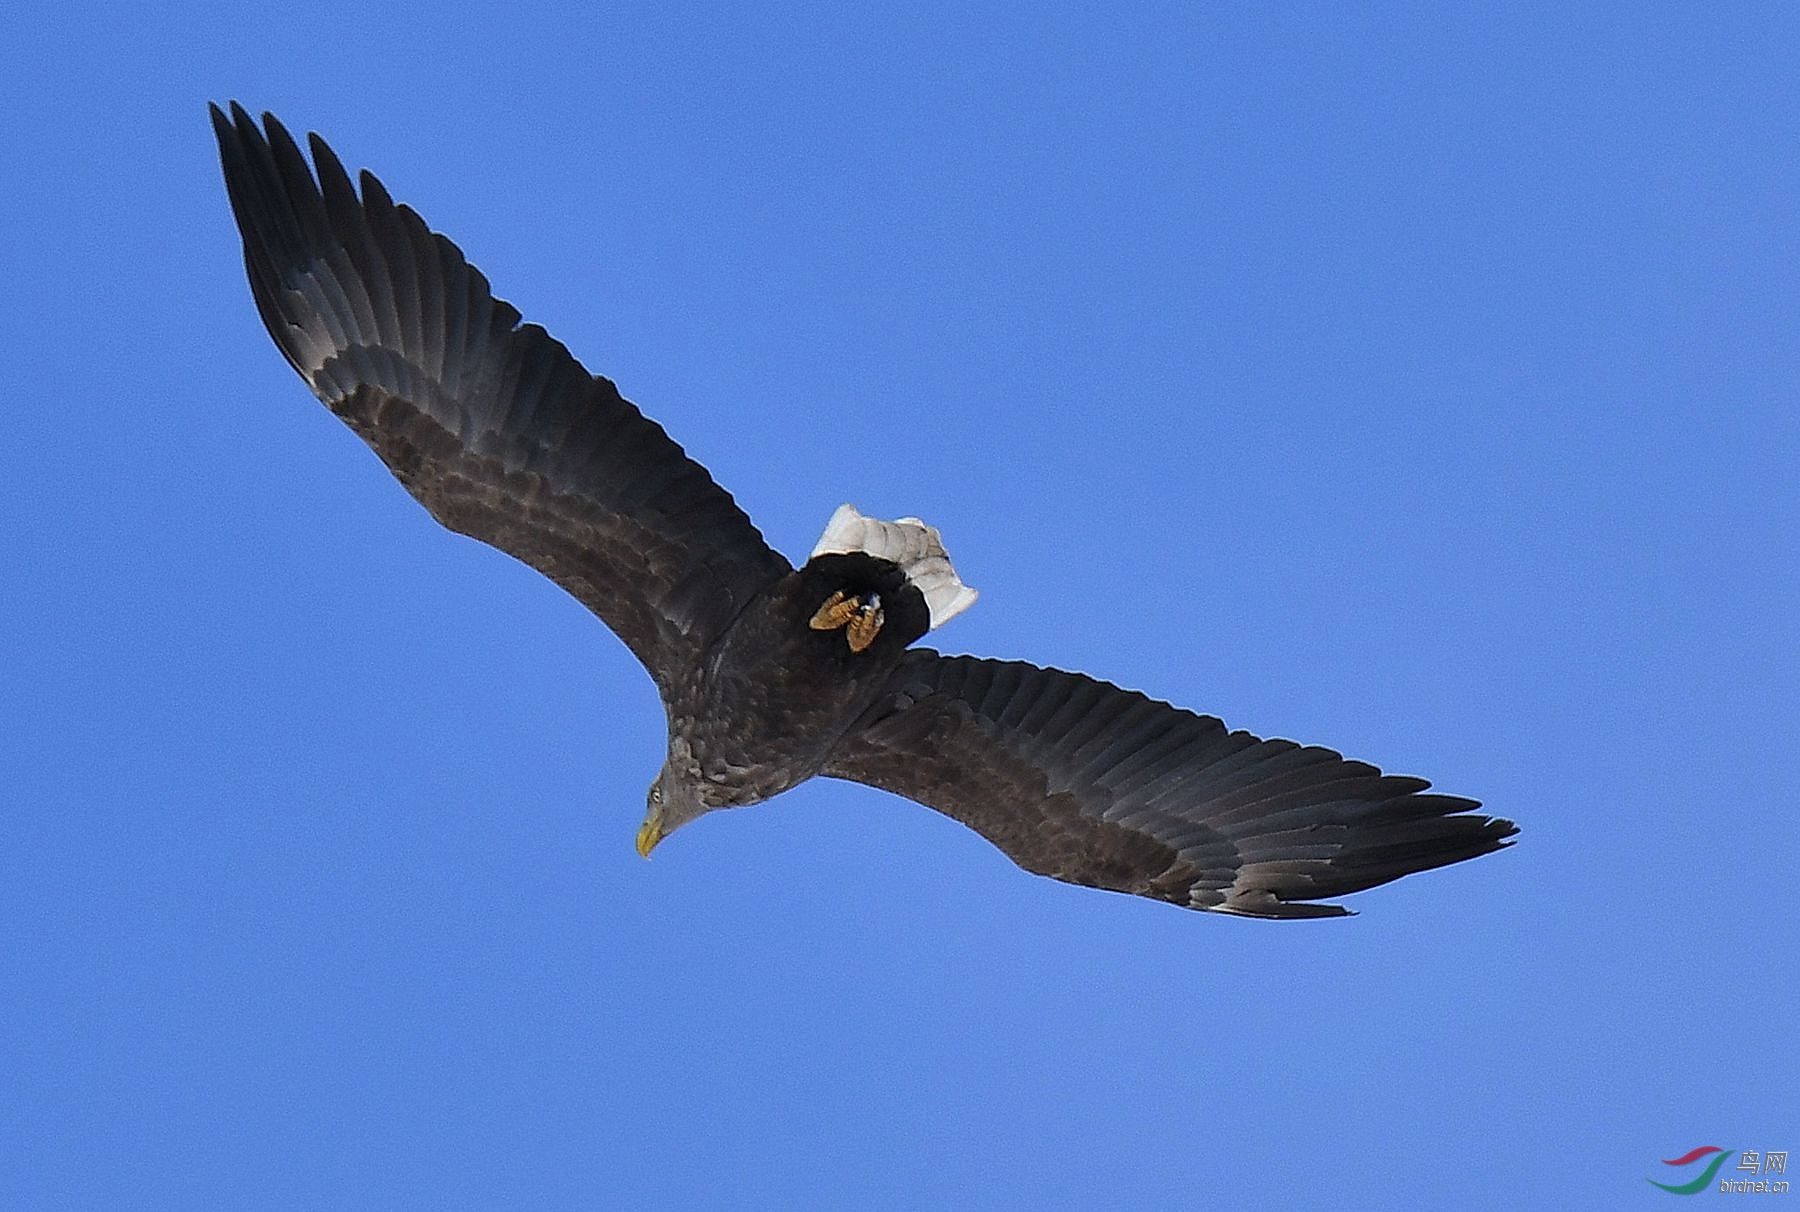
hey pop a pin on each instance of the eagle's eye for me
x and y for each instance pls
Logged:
(656, 795)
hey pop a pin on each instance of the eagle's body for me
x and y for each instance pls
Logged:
(771, 675)
(767, 706)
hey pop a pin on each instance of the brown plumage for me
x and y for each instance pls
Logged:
(771, 675)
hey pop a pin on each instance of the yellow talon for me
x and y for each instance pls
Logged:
(860, 620)
(836, 611)
(864, 626)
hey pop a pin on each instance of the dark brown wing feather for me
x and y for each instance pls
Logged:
(490, 423)
(1080, 780)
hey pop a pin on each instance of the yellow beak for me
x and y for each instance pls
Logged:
(649, 833)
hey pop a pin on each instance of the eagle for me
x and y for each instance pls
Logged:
(770, 674)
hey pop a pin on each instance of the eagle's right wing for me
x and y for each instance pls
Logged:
(491, 424)
(1080, 780)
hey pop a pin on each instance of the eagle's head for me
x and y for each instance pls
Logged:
(674, 799)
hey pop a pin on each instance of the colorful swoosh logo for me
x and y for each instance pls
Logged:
(1705, 1180)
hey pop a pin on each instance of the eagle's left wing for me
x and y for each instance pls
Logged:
(490, 423)
(1082, 781)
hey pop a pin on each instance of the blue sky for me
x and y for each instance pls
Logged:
(1417, 383)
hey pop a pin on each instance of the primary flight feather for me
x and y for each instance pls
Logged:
(771, 674)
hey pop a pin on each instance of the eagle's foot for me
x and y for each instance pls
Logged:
(837, 610)
(865, 624)
(861, 619)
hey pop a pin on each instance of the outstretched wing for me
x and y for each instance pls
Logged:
(1082, 781)
(490, 423)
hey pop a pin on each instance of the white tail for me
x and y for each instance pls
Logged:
(916, 547)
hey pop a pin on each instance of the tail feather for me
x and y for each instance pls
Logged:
(917, 548)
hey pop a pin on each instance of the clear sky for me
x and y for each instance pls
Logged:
(1413, 382)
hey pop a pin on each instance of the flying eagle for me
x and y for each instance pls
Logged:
(772, 674)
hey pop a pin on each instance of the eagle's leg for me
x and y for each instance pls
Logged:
(865, 624)
(837, 610)
(860, 618)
